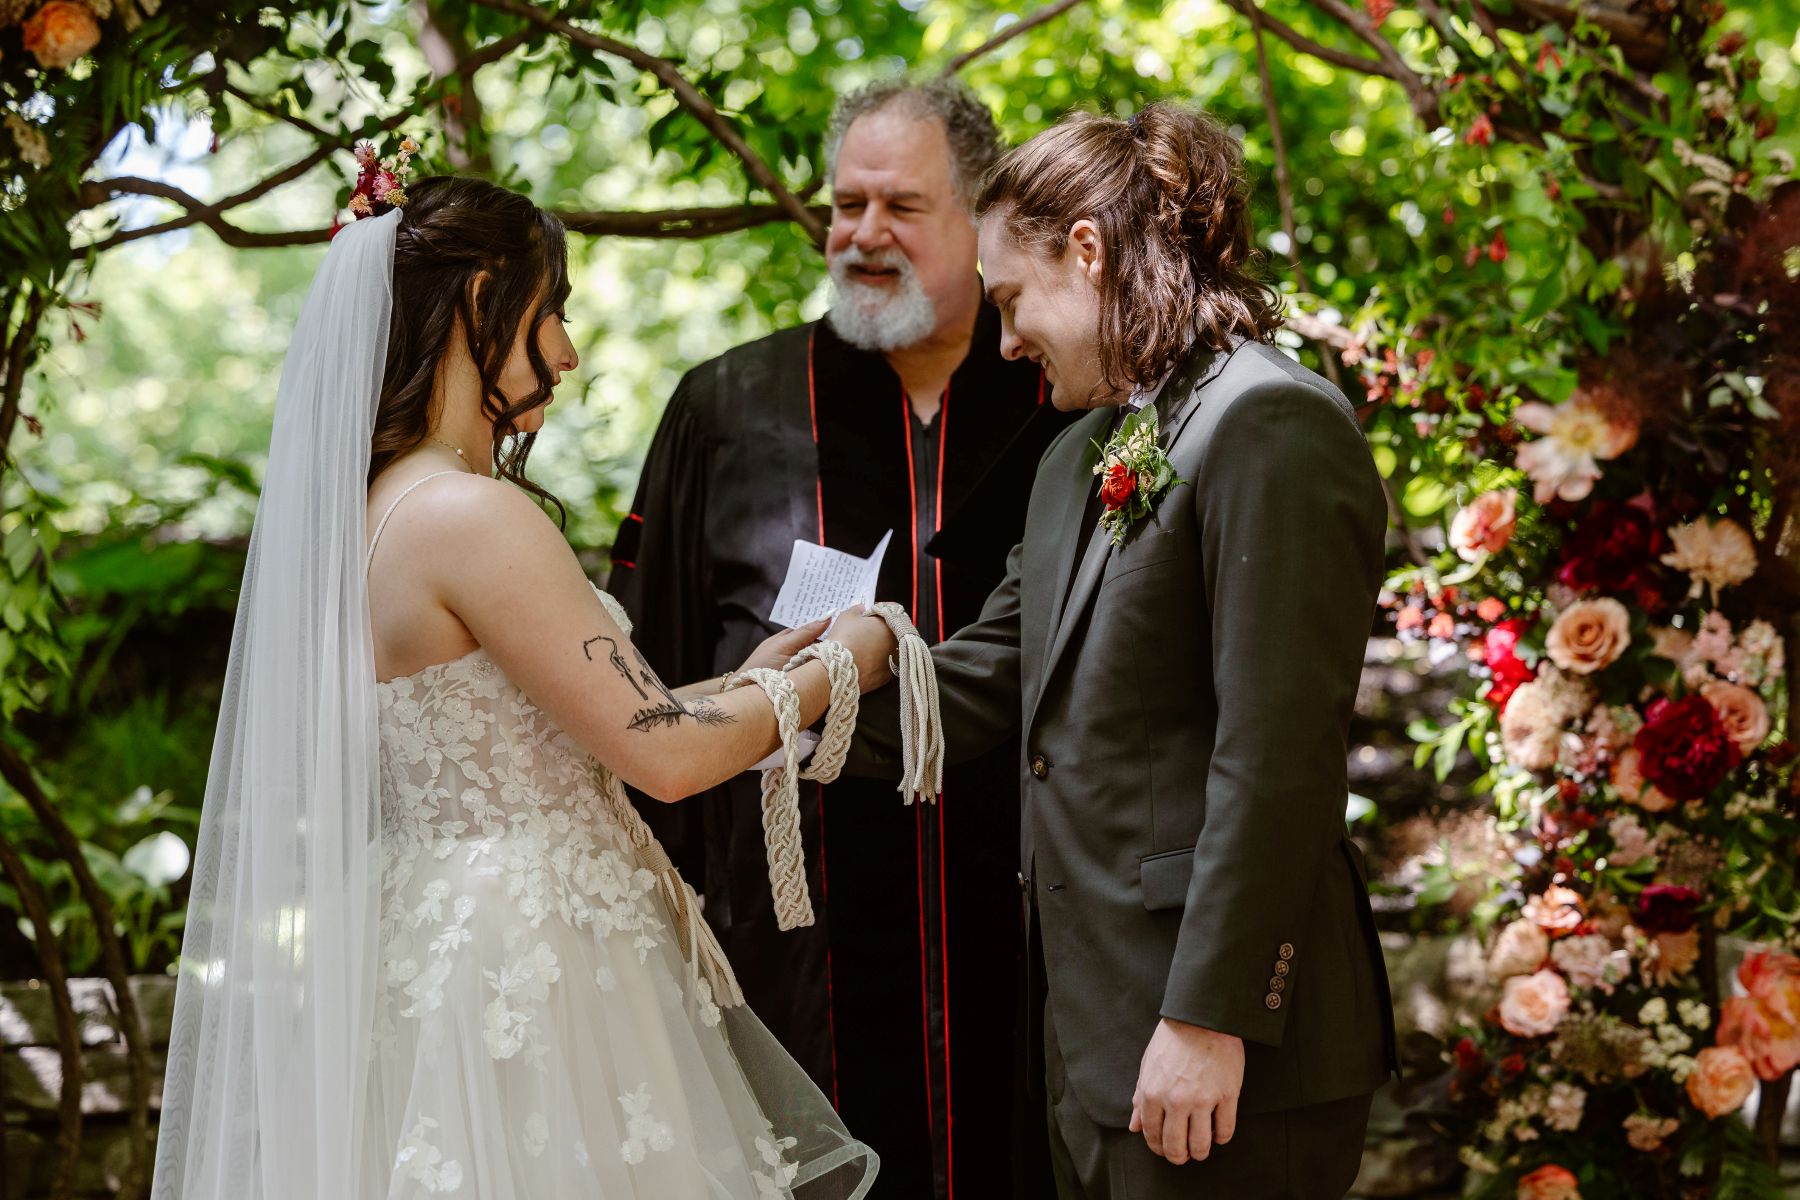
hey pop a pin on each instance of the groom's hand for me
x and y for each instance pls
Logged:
(1187, 1091)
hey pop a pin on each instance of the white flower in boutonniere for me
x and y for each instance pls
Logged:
(1134, 474)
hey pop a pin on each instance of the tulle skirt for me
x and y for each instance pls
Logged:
(526, 1054)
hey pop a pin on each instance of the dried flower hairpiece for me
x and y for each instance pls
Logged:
(381, 182)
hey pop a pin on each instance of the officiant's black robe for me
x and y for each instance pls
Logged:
(901, 1000)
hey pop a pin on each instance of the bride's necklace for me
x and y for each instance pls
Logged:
(458, 449)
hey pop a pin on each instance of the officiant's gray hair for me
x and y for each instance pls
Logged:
(968, 125)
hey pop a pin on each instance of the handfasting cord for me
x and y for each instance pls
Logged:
(781, 801)
(921, 722)
(921, 740)
(698, 944)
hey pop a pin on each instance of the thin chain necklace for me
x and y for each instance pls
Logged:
(458, 450)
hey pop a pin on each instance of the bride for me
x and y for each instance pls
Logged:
(431, 949)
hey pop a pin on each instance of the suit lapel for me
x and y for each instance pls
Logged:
(1176, 403)
(1067, 527)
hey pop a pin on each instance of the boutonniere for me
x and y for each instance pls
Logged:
(1134, 474)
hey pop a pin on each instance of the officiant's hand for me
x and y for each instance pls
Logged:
(777, 649)
(871, 641)
(1187, 1092)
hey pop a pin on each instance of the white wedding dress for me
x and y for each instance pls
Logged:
(539, 1035)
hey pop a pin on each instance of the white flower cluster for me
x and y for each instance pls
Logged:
(642, 1130)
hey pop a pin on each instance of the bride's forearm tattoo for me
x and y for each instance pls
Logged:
(668, 708)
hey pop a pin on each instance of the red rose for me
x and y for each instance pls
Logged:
(1666, 908)
(1469, 1057)
(1119, 485)
(1617, 549)
(1684, 748)
(1499, 651)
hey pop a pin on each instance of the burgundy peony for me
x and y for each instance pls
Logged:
(1499, 650)
(1667, 908)
(1617, 549)
(1684, 748)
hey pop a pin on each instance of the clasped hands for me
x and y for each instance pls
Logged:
(866, 636)
(1187, 1092)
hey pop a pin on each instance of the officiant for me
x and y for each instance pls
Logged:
(896, 412)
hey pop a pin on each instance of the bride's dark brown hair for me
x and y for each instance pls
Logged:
(452, 230)
(1168, 194)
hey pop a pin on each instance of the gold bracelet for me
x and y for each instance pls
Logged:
(725, 681)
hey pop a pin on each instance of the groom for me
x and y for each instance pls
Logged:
(1178, 642)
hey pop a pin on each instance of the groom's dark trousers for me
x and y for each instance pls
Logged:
(1184, 700)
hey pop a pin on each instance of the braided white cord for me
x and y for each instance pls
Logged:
(921, 723)
(781, 801)
(840, 717)
(705, 957)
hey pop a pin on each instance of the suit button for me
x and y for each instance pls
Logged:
(1277, 984)
(1039, 767)
(1286, 951)
(1281, 968)
(1273, 1001)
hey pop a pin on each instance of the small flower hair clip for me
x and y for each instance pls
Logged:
(381, 182)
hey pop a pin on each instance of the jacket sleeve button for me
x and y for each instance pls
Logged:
(1273, 1001)
(1039, 767)
(1286, 951)
(1282, 968)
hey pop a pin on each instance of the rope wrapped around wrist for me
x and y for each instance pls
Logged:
(921, 722)
(781, 785)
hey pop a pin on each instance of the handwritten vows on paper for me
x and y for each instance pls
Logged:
(822, 582)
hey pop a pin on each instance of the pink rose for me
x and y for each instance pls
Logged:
(1558, 911)
(1589, 635)
(1486, 525)
(1549, 1182)
(1721, 1081)
(1534, 1005)
(1519, 950)
(1745, 717)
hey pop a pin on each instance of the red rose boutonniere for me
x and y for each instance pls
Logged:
(1134, 474)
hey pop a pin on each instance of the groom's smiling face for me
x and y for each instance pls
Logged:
(1049, 307)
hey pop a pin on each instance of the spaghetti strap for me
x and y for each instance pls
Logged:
(382, 524)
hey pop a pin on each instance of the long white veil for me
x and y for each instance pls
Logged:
(269, 1051)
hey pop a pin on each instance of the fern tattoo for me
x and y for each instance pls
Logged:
(669, 709)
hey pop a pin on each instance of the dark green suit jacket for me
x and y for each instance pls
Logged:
(1185, 714)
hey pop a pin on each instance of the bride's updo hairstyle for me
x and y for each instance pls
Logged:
(1167, 192)
(451, 230)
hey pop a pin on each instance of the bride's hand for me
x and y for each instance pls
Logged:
(870, 640)
(776, 650)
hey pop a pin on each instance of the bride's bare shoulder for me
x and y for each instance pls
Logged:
(446, 517)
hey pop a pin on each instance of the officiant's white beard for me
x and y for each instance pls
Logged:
(879, 318)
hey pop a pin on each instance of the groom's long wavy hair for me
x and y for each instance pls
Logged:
(1168, 192)
(452, 230)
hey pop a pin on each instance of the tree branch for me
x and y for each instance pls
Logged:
(679, 222)
(447, 53)
(255, 104)
(1418, 92)
(18, 355)
(1043, 15)
(686, 95)
(1304, 44)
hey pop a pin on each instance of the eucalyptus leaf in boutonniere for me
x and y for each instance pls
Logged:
(1134, 473)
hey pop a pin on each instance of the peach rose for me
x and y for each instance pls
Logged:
(1745, 716)
(1721, 1080)
(61, 32)
(1531, 727)
(1519, 949)
(1534, 1005)
(1486, 525)
(1589, 635)
(1549, 1182)
(1628, 781)
(1765, 1025)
